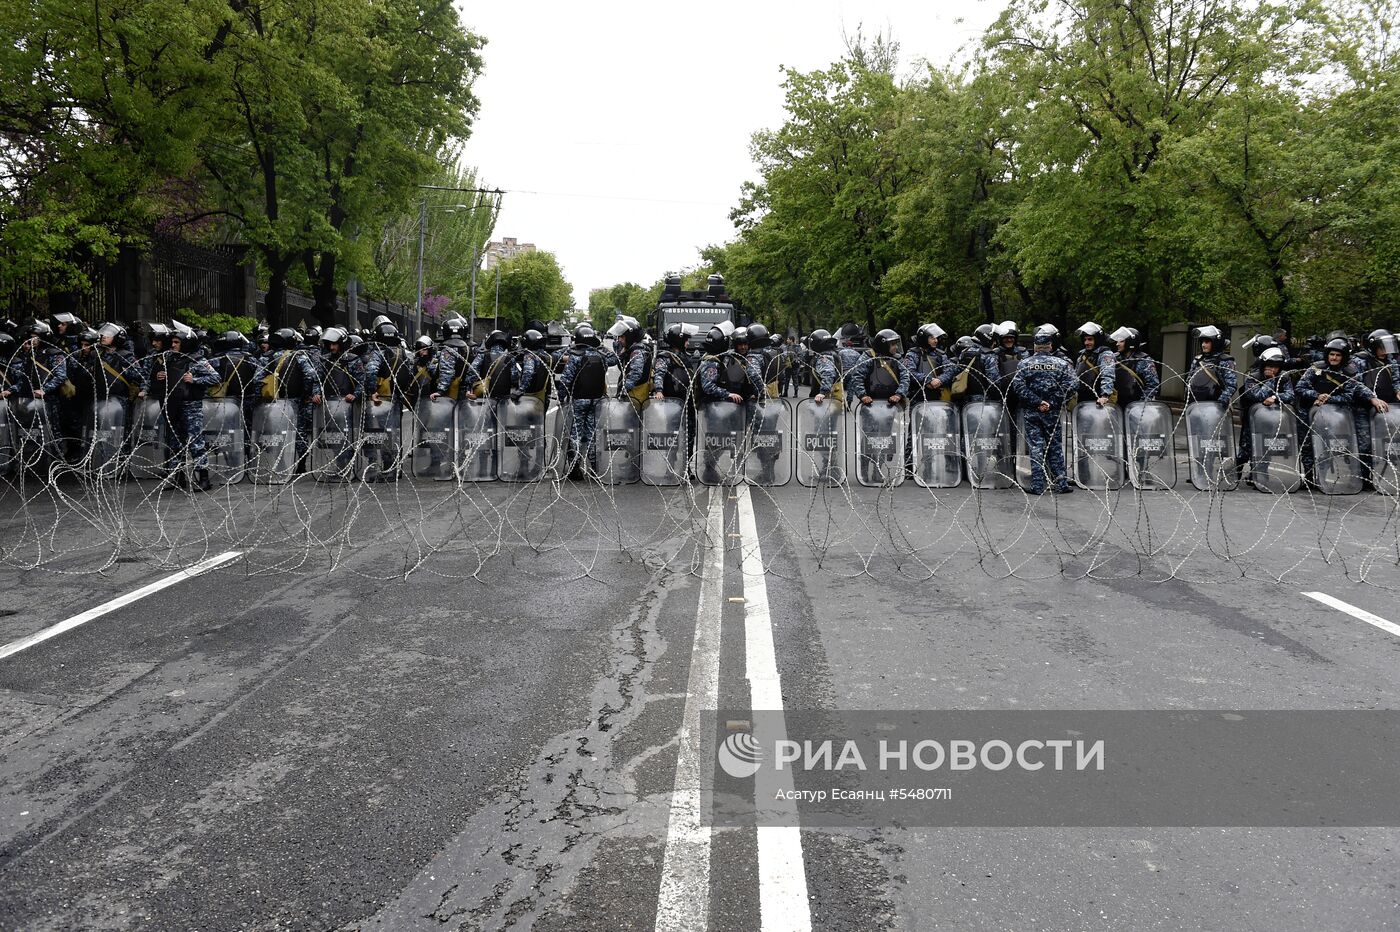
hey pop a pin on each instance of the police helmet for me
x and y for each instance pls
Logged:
(1213, 334)
(1382, 341)
(423, 342)
(71, 320)
(230, 340)
(929, 331)
(7, 346)
(963, 344)
(532, 340)
(1272, 356)
(984, 336)
(497, 338)
(380, 321)
(1090, 330)
(116, 333)
(333, 335)
(1044, 336)
(38, 329)
(716, 341)
(1260, 342)
(886, 341)
(821, 341)
(454, 328)
(355, 344)
(626, 329)
(677, 335)
(741, 335)
(585, 335)
(385, 331)
(1007, 328)
(1125, 335)
(1339, 345)
(759, 337)
(88, 335)
(284, 339)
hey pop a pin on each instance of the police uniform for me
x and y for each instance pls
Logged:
(1049, 379)
(297, 379)
(584, 383)
(181, 402)
(924, 365)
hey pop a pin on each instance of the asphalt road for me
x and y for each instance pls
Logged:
(429, 706)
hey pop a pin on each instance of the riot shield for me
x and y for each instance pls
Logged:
(1210, 440)
(1098, 447)
(223, 440)
(1336, 462)
(521, 442)
(104, 433)
(934, 437)
(558, 419)
(150, 452)
(476, 440)
(274, 441)
(987, 438)
(381, 441)
(34, 436)
(335, 438)
(769, 459)
(618, 442)
(821, 442)
(433, 435)
(1023, 453)
(664, 442)
(1385, 451)
(1151, 453)
(879, 444)
(719, 435)
(1274, 436)
(9, 455)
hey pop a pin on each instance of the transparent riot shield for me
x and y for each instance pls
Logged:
(719, 435)
(150, 452)
(433, 435)
(820, 442)
(1273, 433)
(1210, 440)
(1336, 461)
(9, 455)
(769, 459)
(104, 434)
(937, 453)
(274, 441)
(558, 419)
(34, 436)
(381, 441)
(476, 440)
(224, 440)
(1385, 451)
(1098, 447)
(520, 441)
(664, 442)
(991, 463)
(879, 444)
(1151, 445)
(618, 442)
(335, 451)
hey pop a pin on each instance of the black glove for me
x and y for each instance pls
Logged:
(516, 394)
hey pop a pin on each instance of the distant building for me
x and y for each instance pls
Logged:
(507, 248)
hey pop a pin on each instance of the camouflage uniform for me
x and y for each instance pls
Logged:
(583, 384)
(1046, 378)
(924, 365)
(310, 388)
(181, 402)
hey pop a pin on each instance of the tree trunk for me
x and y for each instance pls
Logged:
(324, 293)
(277, 268)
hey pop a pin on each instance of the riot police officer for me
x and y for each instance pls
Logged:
(930, 370)
(287, 372)
(583, 386)
(1041, 384)
(725, 375)
(1135, 375)
(672, 371)
(1212, 375)
(1265, 384)
(999, 364)
(179, 378)
(635, 355)
(880, 376)
(1334, 383)
(1095, 366)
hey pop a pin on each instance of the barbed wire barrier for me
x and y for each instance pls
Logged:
(459, 490)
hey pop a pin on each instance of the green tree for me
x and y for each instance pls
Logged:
(532, 288)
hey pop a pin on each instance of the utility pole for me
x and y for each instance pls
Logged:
(422, 235)
(498, 297)
(476, 262)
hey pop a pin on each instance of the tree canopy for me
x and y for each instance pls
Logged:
(1131, 161)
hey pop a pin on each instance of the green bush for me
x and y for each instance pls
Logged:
(214, 323)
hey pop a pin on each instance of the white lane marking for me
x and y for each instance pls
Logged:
(1387, 626)
(782, 875)
(683, 903)
(39, 637)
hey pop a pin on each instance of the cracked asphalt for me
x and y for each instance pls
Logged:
(459, 708)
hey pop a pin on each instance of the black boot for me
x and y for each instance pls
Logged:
(201, 480)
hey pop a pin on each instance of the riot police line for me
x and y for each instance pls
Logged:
(339, 407)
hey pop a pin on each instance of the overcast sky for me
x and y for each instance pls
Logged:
(621, 129)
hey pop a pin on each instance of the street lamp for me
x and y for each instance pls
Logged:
(423, 233)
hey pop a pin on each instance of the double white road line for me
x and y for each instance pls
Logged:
(684, 901)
